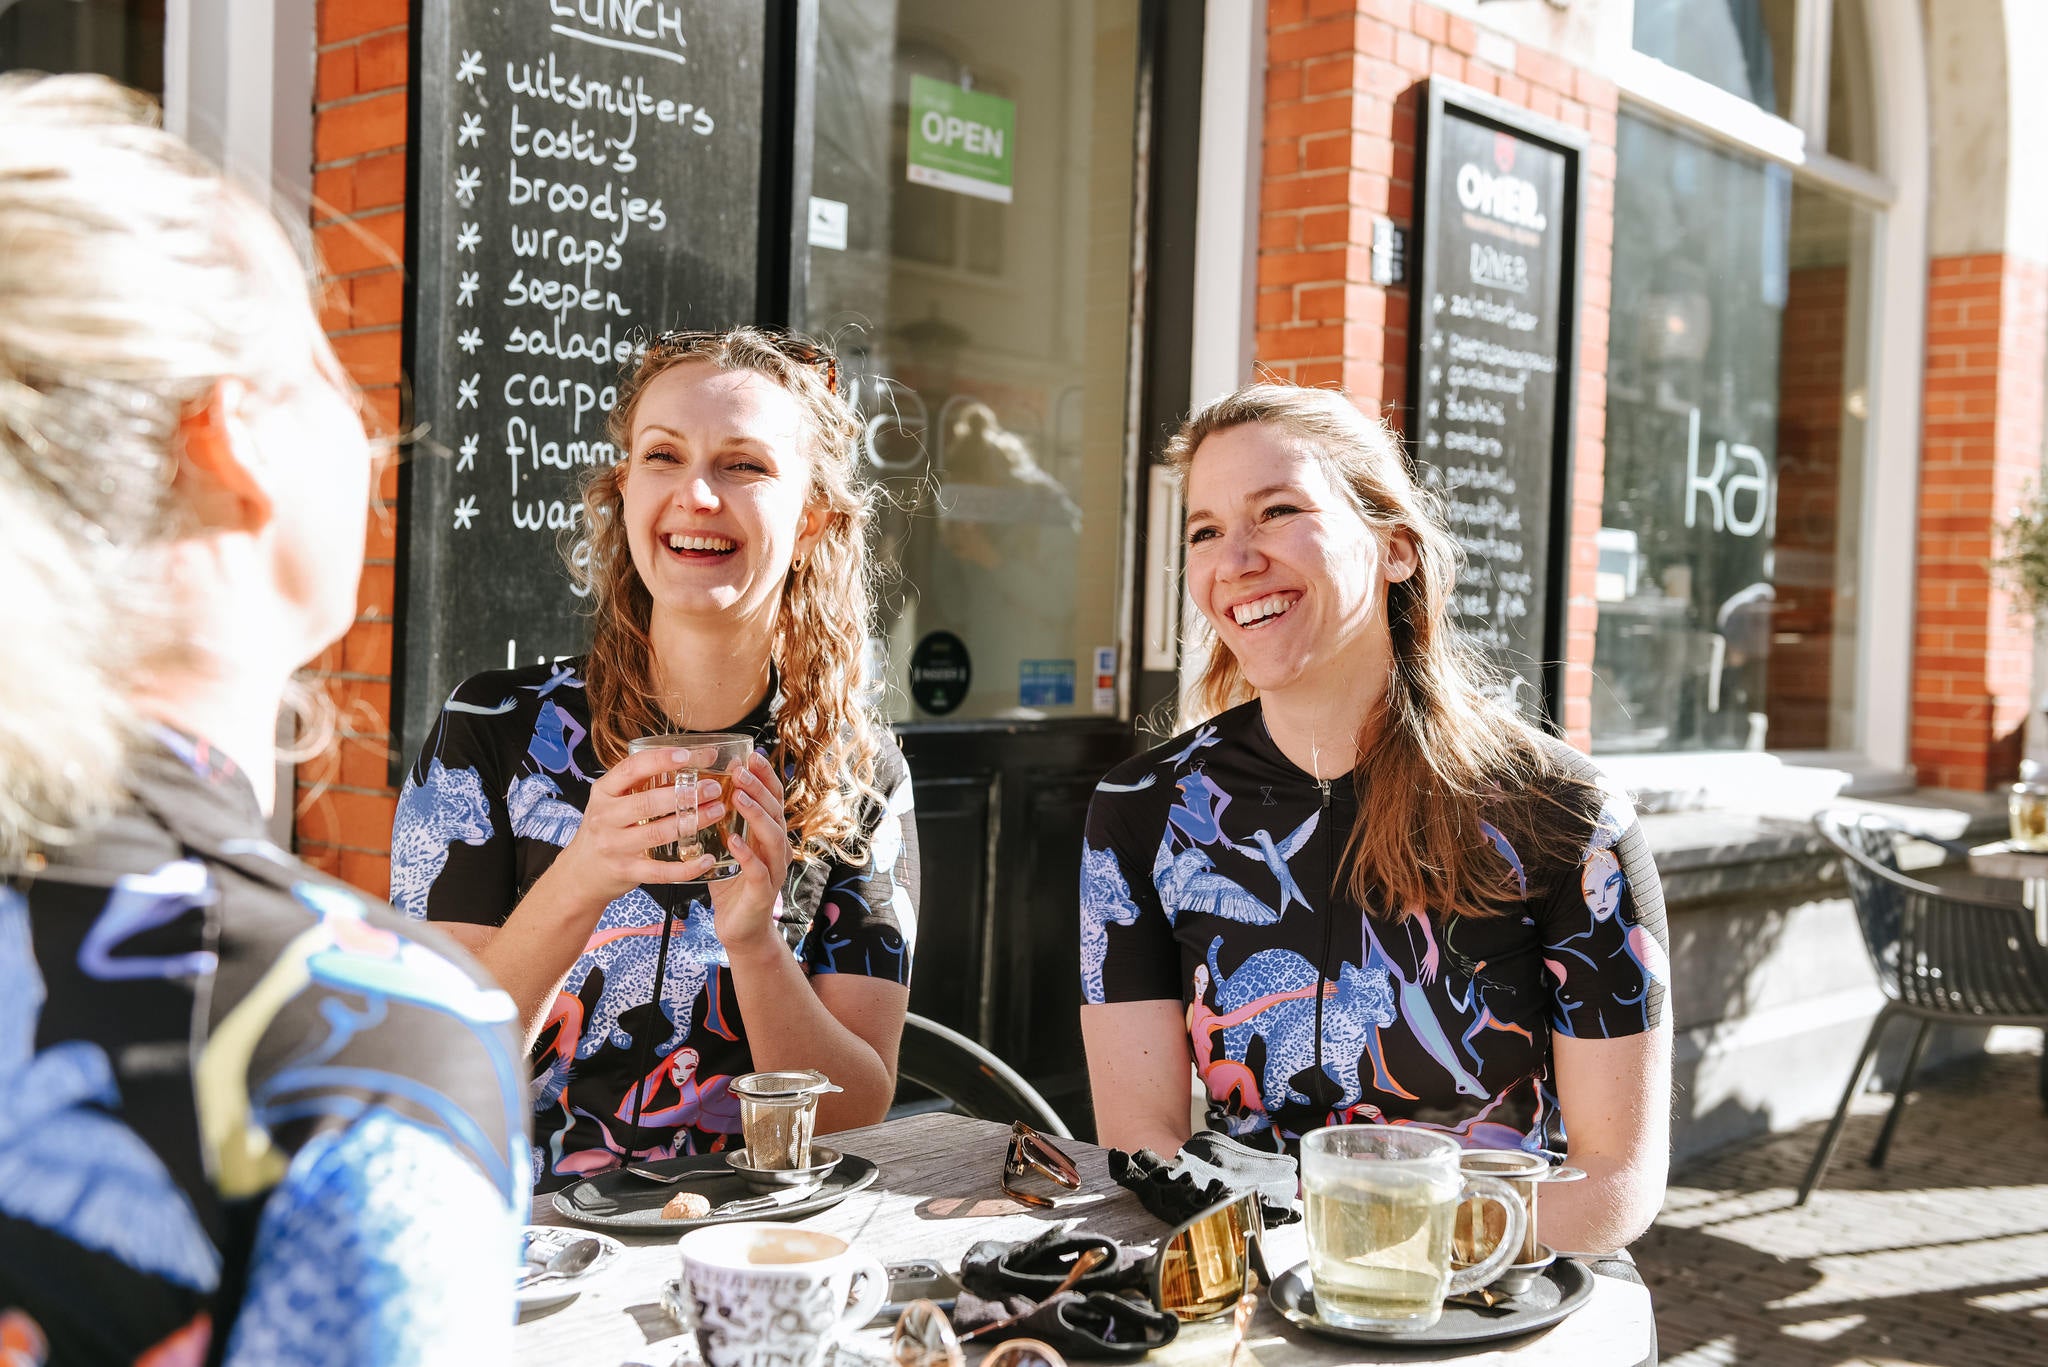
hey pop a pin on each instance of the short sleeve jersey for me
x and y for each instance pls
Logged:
(645, 1035)
(1211, 874)
(246, 1113)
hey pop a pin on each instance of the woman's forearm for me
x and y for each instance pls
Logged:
(1602, 1214)
(537, 946)
(787, 1026)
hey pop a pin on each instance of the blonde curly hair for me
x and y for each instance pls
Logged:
(827, 738)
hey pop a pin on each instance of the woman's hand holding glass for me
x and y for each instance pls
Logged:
(744, 906)
(632, 809)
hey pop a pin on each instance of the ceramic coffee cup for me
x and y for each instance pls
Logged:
(768, 1295)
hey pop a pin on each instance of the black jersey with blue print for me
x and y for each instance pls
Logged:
(1212, 873)
(645, 1033)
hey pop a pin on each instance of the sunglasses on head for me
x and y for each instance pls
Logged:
(1031, 1155)
(804, 353)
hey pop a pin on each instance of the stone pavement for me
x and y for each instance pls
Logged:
(1939, 1260)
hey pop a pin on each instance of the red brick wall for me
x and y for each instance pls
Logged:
(344, 803)
(1341, 103)
(1981, 448)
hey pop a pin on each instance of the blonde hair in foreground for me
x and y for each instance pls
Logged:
(1454, 757)
(133, 279)
(826, 737)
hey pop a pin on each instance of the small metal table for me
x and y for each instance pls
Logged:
(937, 1196)
(2028, 868)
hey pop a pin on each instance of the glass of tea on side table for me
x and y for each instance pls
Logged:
(2024, 858)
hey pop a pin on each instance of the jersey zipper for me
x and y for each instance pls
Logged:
(1329, 921)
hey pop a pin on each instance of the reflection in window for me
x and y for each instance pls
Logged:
(1727, 558)
(1742, 46)
(123, 39)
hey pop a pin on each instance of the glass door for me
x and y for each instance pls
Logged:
(971, 256)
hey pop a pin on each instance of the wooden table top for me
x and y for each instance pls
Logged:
(2007, 860)
(936, 1196)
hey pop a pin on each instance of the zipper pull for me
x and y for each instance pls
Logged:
(1324, 784)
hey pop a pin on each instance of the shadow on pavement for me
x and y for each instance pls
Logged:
(1940, 1259)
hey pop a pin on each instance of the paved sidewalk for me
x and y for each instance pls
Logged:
(1941, 1259)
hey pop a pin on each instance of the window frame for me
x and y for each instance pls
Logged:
(1894, 340)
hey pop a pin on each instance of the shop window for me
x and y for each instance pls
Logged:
(1729, 556)
(123, 39)
(1742, 46)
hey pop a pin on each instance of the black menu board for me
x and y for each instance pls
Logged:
(1492, 358)
(585, 175)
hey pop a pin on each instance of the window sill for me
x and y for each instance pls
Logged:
(1738, 849)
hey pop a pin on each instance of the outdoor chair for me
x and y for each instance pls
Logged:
(946, 1071)
(1941, 958)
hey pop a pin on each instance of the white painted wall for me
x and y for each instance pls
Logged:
(2026, 195)
(1968, 117)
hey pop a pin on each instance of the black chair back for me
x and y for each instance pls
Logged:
(1870, 847)
(1935, 951)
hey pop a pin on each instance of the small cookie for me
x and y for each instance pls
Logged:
(686, 1205)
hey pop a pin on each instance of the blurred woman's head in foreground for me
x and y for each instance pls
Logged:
(184, 476)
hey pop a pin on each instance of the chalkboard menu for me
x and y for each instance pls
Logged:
(585, 174)
(1493, 343)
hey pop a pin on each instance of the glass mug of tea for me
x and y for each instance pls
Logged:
(713, 757)
(1380, 1202)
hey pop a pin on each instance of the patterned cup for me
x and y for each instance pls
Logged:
(767, 1295)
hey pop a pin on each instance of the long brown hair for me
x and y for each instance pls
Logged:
(1438, 757)
(826, 737)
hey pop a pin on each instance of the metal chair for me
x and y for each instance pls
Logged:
(963, 1077)
(1941, 958)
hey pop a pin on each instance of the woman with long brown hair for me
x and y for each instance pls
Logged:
(1357, 889)
(727, 570)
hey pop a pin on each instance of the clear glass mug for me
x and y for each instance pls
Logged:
(1380, 1203)
(713, 756)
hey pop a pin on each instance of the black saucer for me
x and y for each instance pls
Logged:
(1560, 1289)
(617, 1200)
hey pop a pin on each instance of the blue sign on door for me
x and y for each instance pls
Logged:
(1045, 683)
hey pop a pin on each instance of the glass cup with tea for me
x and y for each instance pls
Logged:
(1381, 1201)
(712, 759)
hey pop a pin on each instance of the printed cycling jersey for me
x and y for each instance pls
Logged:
(627, 1066)
(247, 1115)
(1211, 874)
